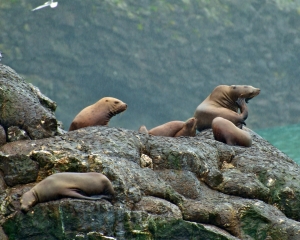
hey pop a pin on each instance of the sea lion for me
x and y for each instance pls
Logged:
(68, 184)
(98, 113)
(222, 102)
(225, 131)
(175, 129)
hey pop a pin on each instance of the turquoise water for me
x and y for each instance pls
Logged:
(285, 138)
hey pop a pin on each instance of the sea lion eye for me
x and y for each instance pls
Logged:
(106, 100)
(116, 102)
(234, 87)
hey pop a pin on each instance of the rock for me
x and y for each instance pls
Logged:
(14, 133)
(146, 161)
(166, 188)
(18, 169)
(24, 106)
(2, 136)
(174, 198)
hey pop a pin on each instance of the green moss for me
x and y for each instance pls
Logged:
(6, 106)
(180, 229)
(45, 225)
(135, 225)
(10, 228)
(174, 160)
(259, 227)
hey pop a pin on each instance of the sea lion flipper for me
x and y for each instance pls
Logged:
(243, 108)
(240, 102)
(98, 197)
(73, 193)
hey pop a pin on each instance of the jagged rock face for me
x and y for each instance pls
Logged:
(246, 193)
(24, 106)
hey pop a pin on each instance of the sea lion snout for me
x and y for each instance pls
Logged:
(124, 106)
(254, 93)
(121, 108)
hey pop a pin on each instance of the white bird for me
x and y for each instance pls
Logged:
(46, 4)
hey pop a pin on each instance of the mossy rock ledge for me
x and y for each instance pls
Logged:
(166, 188)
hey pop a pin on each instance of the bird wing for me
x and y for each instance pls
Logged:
(46, 4)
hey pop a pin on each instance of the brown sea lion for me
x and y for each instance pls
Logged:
(175, 129)
(74, 185)
(226, 132)
(222, 102)
(98, 113)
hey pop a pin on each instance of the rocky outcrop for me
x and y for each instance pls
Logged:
(25, 113)
(247, 193)
(166, 188)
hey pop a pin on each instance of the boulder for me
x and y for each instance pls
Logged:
(196, 187)
(25, 107)
(166, 188)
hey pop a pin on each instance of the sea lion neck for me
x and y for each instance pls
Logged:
(227, 101)
(113, 111)
(36, 196)
(191, 122)
(106, 111)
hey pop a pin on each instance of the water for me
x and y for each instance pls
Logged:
(285, 138)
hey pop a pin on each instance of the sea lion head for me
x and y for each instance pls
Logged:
(244, 91)
(114, 105)
(191, 124)
(28, 200)
(188, 129)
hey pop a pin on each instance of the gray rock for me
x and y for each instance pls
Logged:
(18, 169)
(166, 188)
(14, 133)
(152, 203)
(21, 106)
(2, 136)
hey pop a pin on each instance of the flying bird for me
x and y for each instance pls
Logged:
(46, 4)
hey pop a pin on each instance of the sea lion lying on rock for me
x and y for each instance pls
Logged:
(173, 129)
(226, 132)
(74, 185)
(222, 102)
(98, 113)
